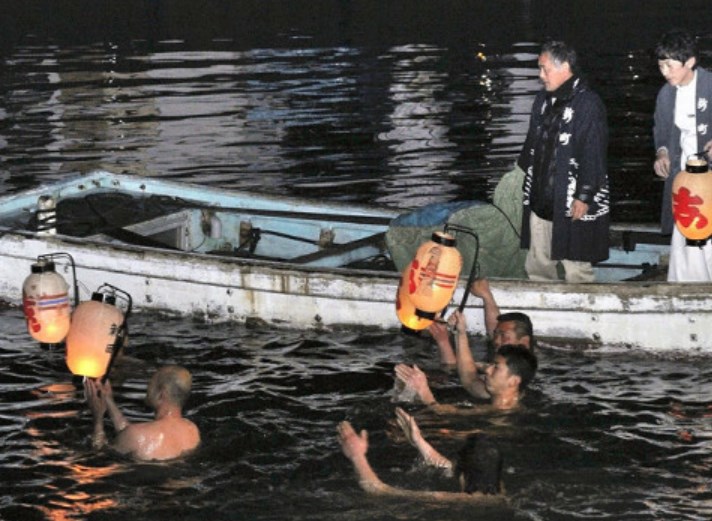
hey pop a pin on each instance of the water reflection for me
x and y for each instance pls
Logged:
(267, 403)
(357, 101)
(403, 124)
(418, 129)
(68, 504)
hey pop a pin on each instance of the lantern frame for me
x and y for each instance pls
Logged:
(123, 330)
(474, 269)
(428, 318)
(441, 286)
(108, 294)
(49, 259)
(685, 219)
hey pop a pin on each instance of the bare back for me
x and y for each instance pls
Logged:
(163, 439)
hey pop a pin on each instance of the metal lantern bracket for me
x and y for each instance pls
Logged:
(473, 271)
(123, 328)
(50, 256)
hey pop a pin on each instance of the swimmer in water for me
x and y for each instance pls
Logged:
(168, 436)
(478, 466)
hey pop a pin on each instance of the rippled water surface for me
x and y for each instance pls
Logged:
(389, 102)
(597, 440)
(397, 103)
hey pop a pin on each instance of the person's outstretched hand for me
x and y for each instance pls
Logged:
(353, 445)
(415, 379)
(96, 395)
(408, 426)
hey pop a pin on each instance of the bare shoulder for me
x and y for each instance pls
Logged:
(191, 431)
(158, 440)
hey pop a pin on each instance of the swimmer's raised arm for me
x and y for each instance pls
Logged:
(412, 432)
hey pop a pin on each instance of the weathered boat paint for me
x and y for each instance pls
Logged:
(656, 316)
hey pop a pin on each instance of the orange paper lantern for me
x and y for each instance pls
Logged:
(45, 301)
(95, 334)
(431, 278)
(406, 312)
(692, 200)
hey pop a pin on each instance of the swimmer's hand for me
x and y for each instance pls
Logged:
(354, 446)
(408, 426)
(96, 399)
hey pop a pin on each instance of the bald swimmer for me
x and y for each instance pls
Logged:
(168, 436)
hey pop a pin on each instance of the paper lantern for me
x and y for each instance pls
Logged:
(431, 278)
(45, 301)
(406, 312)
(692, 200)
(96, 333)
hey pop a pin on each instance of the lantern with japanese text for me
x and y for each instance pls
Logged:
(406, 312)
(431, 277)
(45, 301)
(96, 334)
(692, 200)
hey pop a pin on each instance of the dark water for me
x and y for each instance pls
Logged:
(371, 101)
(596, 441)
(383, 102)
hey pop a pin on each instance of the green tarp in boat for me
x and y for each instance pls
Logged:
(497, 226)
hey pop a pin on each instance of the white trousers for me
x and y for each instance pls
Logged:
(540, 266)
(689, 263)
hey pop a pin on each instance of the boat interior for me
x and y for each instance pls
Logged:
(166, 222)
(98, 212)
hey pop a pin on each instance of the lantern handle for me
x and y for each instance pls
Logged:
(123, 329)
(701, 154)
(50, 256)
(473, 270)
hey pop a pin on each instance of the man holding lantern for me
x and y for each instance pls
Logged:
(565, 216)
(683, 127)
(505, 380)
(168, 436)
(501, 328)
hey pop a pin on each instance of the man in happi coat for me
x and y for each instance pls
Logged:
(566, 201)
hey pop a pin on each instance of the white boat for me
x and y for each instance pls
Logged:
(233, 256)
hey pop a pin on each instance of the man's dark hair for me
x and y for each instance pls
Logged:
(480, 462)
(522, 324)
(560, 53)
(520, 361)
(677, 45)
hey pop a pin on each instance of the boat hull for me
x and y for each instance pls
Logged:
(655, 316)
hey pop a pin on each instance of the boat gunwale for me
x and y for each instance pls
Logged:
(218, 259)
(131, 184)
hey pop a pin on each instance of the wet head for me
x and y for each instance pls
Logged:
(170, 382)
(513, 328)
(513, 368)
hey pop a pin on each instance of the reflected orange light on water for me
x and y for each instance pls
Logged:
(73, 503)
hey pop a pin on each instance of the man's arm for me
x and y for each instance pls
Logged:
(466, 365)
(354, 447)
(441, 335)
(97, 404)
(117, 417)
(590, 131)
(480, 288)
(100, 398)
(412, 433)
